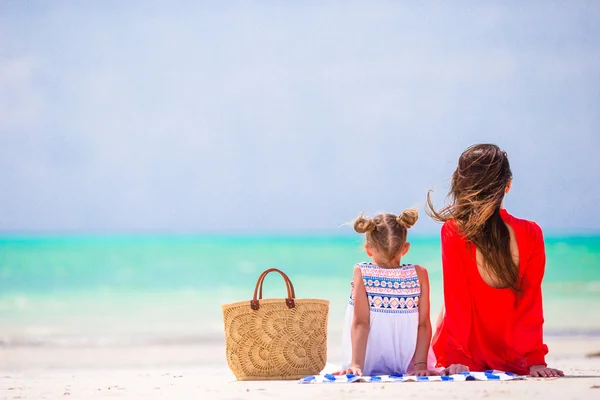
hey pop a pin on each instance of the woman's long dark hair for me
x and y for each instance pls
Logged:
(477, 190)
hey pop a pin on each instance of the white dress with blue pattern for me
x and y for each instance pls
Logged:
(394, 319)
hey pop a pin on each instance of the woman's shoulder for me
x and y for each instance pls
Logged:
(525, 225)
(449, 227)
(451, 231)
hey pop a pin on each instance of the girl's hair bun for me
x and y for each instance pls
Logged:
(408, 218)
(363, 225)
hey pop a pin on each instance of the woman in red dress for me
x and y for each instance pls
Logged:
(493, 265)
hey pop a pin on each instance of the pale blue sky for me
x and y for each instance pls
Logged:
(270, 116)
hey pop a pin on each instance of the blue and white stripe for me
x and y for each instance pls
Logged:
(462, 377)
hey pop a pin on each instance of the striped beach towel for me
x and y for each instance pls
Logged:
(464, 376)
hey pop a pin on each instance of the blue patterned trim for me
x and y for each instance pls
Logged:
(388, 280)
(398, 291)
(373, 266)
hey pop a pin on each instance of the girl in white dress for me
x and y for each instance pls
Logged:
(387, 328)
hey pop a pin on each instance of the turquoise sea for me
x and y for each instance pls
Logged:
(87, 291)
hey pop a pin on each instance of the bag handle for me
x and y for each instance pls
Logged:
(291, 294)
(290, 287)
(288, 283)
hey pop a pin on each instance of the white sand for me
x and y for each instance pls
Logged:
(199, 372)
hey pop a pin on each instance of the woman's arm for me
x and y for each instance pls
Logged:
(424, 329)
(529, 326)
(360, 324)
(452, 348)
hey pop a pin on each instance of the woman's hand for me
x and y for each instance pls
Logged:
(425, 372)
(543, 371)
(352, 370)
(455, 369)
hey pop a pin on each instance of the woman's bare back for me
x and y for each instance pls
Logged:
(485, 274)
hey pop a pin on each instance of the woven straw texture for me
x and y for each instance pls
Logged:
(276, 342)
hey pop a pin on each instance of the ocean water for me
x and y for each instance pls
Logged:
(93, 291)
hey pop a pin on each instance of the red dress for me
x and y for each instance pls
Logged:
(488, 328)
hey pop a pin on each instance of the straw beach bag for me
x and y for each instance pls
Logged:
(276, 339)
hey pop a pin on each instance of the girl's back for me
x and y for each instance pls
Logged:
(393, 296)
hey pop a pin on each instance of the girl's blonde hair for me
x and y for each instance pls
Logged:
(387, 232)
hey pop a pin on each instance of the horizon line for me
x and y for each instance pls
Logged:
(305, 234)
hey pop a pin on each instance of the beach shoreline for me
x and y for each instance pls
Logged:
(200, 371)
